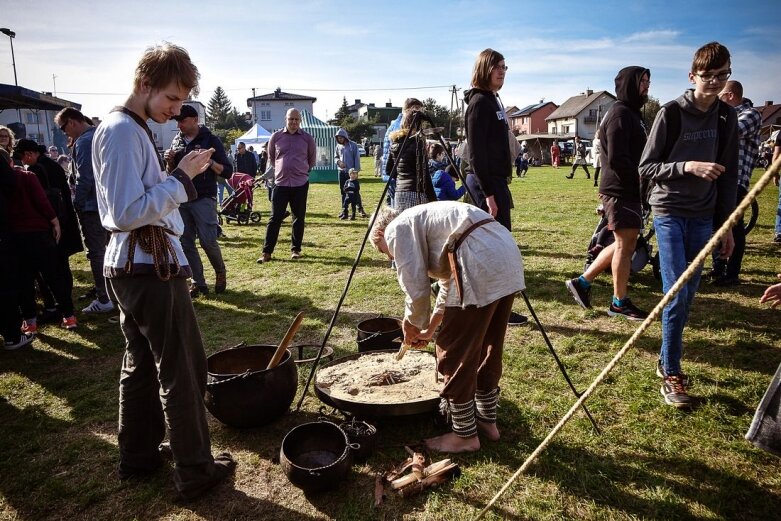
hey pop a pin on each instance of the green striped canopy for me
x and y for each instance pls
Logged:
(325, 169)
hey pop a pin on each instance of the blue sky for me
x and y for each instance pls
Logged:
(385, 51)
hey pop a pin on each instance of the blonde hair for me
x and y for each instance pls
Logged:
(481, 73)
(164, 64)
(383, 217)
(10, 147)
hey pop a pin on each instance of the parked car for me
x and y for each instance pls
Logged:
(361, 150)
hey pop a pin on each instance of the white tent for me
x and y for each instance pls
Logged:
(254, 136)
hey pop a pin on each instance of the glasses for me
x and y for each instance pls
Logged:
(62, 127)
(501, 67)
(719, 76)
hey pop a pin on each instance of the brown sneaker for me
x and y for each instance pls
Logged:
(220, 282)
(675, 393)
(266, 257)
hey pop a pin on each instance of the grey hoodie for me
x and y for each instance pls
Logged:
(676, 193)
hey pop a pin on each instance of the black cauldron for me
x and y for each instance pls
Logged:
(379, 333)
(316, 456)
(240, 392)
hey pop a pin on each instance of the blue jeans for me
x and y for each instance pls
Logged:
(778, 213)
(222, 186)
(680, 239)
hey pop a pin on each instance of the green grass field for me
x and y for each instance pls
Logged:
(58, 399)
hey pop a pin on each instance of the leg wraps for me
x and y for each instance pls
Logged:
(486, 403)
(461, 416)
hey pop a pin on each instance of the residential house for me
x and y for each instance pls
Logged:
(531, 119)
(771, 118)
(580, 115)
(164, 133)
(269, 110)
(384, 116)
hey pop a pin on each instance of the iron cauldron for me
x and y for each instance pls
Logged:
(379, 333)
(316, 456)
(240, 392)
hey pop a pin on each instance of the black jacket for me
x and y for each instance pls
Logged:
(246, 164)
(622, 136)
(488, 140)
(49, 173)
(205, 183)
(412, 170)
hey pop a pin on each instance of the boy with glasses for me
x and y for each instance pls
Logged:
(692, 159)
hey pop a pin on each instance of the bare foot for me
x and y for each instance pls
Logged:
(453, 444)
(489, 430)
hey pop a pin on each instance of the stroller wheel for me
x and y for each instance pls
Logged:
(219, 219)
(254, 217)
(655, 267)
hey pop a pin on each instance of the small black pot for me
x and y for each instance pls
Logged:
(379, 333)
(316, 456)
(366, 438)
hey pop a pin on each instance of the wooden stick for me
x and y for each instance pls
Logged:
(291, 332)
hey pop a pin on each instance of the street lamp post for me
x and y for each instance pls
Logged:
(11, 35)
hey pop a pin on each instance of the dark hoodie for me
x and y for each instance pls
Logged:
(488, 141)
(622, 137)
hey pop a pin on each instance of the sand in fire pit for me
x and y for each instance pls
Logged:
(357, 380)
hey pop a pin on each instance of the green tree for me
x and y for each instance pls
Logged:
(359, 128)
(342, 113)
(650, 109)
(218, 109)
(441, 116)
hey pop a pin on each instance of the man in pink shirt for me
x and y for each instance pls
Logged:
(293, 153)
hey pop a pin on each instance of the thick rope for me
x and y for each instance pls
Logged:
(154, 241)
(682, 280)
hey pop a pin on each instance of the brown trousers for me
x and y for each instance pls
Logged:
(469, 348)
(163, 380)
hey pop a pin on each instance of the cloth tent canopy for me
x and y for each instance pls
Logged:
(254, 136)
(325, 170)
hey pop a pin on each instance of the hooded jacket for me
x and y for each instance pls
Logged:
(622, 137)
(676, 193)
(486, 133)
(348, 153)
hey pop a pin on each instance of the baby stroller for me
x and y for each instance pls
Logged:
(644, 251)
(238, 207)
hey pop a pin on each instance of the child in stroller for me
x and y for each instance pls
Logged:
(238, 207)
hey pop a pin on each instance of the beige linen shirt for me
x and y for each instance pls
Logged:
(489, 259)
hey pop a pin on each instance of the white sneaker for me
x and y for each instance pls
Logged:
(97, 306)
(23, 341)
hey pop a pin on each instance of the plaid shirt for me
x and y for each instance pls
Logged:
(749, 124)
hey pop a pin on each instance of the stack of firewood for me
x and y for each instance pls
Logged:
(413, 476)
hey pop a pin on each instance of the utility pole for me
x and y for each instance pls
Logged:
(54, 81)
(254, 110)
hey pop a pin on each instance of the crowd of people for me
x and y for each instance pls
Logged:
(138, 215)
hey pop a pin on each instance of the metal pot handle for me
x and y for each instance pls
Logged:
(313, 473)
(245, 374)
(354, 446)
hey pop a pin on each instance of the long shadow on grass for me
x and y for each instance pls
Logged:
(657, 487)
